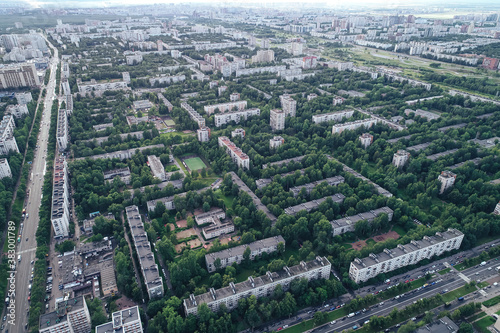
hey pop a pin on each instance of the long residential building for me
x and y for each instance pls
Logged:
(235, 254)
(332, 116)
(353, 125)
(62, 134)
(236, 116)
(346, 224)
(7, 140)
(123, 174)
(314, 204)
(123, 321)
(88, 87)
(262, 286)
(237, 155)
(60, 199)
(157, 168)
(70, 316)
(332, 181)
(403, 255)
(18, 75)
(133, 135)
(259, 70)
(223, 107)
(168, 202)
(193, 114)
(121, 154)
(149, 268)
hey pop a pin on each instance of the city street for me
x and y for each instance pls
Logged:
(27, 247)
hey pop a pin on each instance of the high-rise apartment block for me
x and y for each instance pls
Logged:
(7, 139)
(400, 158)
(203, 134)
(347, 224)
(237, 155)
(70, 316)
(447, 180)
(123, 321)
(263, 56)
(235, 254)
(405, 255)
(60, 199)
(366, 139)
(18, 75)
(62, 134)
(5, 168)
(277, 119)
(289, 105)
(262, 286)
(157, 168)
(149, 268)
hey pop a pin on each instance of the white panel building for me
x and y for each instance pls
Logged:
(237, 155)
(60, 199)
(332, 116)
(277, 119)
(7, 139)
(5, 168)
(236, 116)
(62, 135)
(347, 224)
(289, 105)
(447, 180)
(157, 168)
(400, 158)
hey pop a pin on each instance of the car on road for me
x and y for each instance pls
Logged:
(333, 322)
(279, 328)
(4, 318)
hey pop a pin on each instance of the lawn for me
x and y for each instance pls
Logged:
(492, 301)
(399, 229)
(228, 200)
(195, 163)
(170, 122)
(482, 325)
(453, 295)
(370, 241)
(460, 267)
(483, 284)
(444, 271)
(477, 316)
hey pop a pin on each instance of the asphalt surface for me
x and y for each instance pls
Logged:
(27, 247)
(450, 281)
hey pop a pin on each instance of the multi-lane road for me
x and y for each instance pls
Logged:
(27, 247)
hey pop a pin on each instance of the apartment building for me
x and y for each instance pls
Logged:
(193, 114)
(101, 127)
(276, 142)
(309, 62)
(237, 155)
(235, 254)
(332, 116)
(351, 126)
(277, 119)
(314, 204)
(134, 59)
(166, 79)
(5, 168)
(123, 173)
(165, 101)
(7, 139)
(366, 139)
(331, 181)
(289, 105)
(157, 168)
(238, 132)
(121, 154)
(93, 85)
(236, 116)
(218, 229)
(234, 97)
(203, 134)
(23, 97)
(337, 100)
(424, 114)
(123, 321)
(142, 105)
(66, 88)
(496, 211)
(404, 255)
(149, 268)
(347, 224)
(261, 286)
(168, 202)
(263, 56)
(447, 180)
(221, 90)
(17, 110)
(223, 107)
(18, 75)
(60, 199)
(70, 316)
(214, 46)
(400, 158)
(69, 104)
(62, 134)
(311, 96)
(259, 70)
(125, 137)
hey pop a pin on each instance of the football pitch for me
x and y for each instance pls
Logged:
(194, 163)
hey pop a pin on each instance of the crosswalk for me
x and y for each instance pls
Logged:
(27, 250)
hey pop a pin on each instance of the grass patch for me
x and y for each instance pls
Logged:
(370, 242)
(444, 271)
(228, 199)
(347, 246)
(492, 301)
(483, 284)
(460, 267)
(482, 325)
(477, 316)
(182, 166)
(399, 229)
(454, 294)
(486, 240)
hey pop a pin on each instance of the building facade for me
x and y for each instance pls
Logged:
(70, 316)
(289, 105)
(60, 199)
(347, 224)
(261, 286)
(263, 56)
(238, 132)
(5, 168)
(195, 116)
(237, 155)
(400, 158)
(403, 255)
(332, 116)
(351, 126)
(277, 119)
(157, 168)
(18, 75)
(203, 134)
(62, 135)
(23, 97)
(236, 116)
(224, 107)
(447, 180)
(366, 139)
(331, 181)
(123, 321)
(123, 173)
(276, 142)
(7, 140)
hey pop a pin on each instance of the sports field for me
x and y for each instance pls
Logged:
(195, 163)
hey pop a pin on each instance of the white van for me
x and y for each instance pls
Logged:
(19, 258)
(29, 287)
(350, 315)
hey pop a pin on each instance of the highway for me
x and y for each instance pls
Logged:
(27, 247)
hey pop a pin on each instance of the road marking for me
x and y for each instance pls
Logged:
(482, 292)
(26, 251)
(446, 264)
(463, 277)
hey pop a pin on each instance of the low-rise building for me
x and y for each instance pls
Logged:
(237, 155)
(442, 325)
(424, 114)
(122, 173)
(262, 286)
(70, 316)
(166, 79)
(134, 59)
(217, 229)
(400, 158)
(157, 168)
(93, 85)
(314, 204)
(337, 100)
(121, 154)
(142, 105)
(235, 254)
(236, 116)
(447, 180)
(311, 96)
(331, 181)
(353, 125)
(366, 139)
(101, 127)
(238, 132)
(276, 142)
(203, 134)
(332, 116)
(149, 268)
(277, 119)
(404, 255)
(234, 97)
(5, 168)
(347, 224)
(123, 321)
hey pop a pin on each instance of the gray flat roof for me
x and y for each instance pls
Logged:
(60, 314)
(288, 160)
(419, 147)
(369, 215)
(119, 318)
(332, 181)
(439, 155)
(310, 205)
(443, 325)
